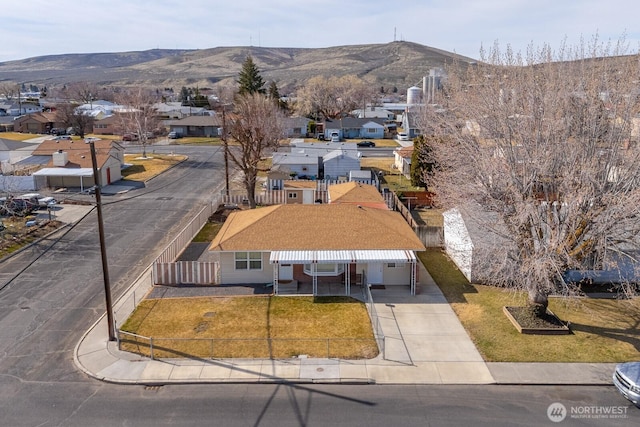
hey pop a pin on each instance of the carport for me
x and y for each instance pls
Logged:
(65, 177)
(317, 263)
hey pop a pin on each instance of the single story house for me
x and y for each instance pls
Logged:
(109, 125)
(299, 191)
(40, 122)
(402, 160)
(373, 112)
(296, 127)
(175, 110)
(297, 164)
(356, 193)
(410, 122)
(339, 163)
(321, 247)
(12, 152)
(203, 126)
(352, 127)
(68, 163)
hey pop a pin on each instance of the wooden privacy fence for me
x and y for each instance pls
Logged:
(184, 272)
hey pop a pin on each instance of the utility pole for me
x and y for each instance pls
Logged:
(226, 151)
(103, 249)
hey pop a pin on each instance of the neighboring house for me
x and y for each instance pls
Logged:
(6, 123)
(318, 161)
(41, 122)
(296, 127)
(365, 128)
(68, 164)
(15, 108)
(204, 126)
(99, 109)
(297, 164)
(351, 127)
(374, 113)
(468, 231)
(410, 123)
(317, 246)
(12, 152)
(358, 194)
(299, 191)
(109, 125)
(402, 160)
(339, 163)
(175, 110)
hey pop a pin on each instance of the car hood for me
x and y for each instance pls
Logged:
(630, 370)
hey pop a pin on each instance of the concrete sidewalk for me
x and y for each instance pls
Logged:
(424, 344)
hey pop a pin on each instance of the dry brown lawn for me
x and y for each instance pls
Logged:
(603, 330)
(143, 169)
(252, 327)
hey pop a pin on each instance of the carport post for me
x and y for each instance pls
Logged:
(103, 249)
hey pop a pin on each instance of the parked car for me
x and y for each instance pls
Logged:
(58, 131)
(130, 137)
(174, 135)
(403, 136)
(626, 378)
(46, 202)
(369, 144)
(335, 137)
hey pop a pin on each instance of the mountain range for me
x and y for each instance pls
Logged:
(398, 64)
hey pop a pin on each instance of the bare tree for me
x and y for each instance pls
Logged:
(257, 127)
(83, 92)
(10, 91)
(332, 97)
(138, 117)
(541, 149)
(80, 121)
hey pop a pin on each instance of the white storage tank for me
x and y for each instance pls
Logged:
(413, 95)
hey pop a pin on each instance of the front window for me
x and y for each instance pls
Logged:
(325, 269)
(248, 261)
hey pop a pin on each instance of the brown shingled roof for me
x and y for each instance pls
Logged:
(315, 227)
(78, 152)
(358, 193)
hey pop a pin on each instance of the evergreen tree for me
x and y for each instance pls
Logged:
(274, 94)
(422, 162)
(250, 80)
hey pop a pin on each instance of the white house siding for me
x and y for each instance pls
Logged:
(398, 275)
(372, 130)
(229, 275)
(457, 241)
(339, 164)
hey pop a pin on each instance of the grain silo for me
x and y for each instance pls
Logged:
(413, 95)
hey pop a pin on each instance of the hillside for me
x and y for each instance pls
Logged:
(399, 64)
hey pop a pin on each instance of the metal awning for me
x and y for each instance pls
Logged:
(343, 256)
(64, 172)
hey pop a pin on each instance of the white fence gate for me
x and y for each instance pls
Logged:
(184, 272)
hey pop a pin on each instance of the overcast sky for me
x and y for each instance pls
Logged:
(31, 28)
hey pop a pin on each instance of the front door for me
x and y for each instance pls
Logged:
(285, 272)
(374, 273)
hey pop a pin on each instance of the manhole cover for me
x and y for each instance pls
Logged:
(320, 369)
(164, 198)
